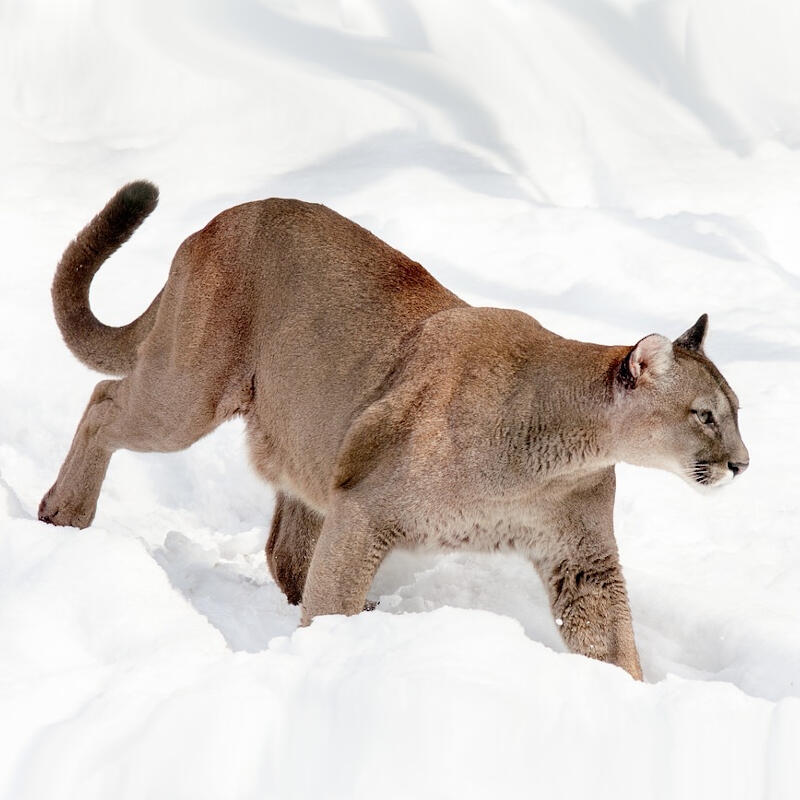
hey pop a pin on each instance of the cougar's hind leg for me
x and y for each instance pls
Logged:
(292, 539)
(72, 499)
(148, 411)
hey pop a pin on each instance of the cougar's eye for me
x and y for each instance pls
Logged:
(705, 416)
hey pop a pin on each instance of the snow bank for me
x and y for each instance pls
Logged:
(614, 167)
(137, 696)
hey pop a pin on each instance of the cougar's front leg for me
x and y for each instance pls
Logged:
(292, 539)
(351, 546)
(584, 579)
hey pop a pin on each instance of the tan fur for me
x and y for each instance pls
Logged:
(385, 410)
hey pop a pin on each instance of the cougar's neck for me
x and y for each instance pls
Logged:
(563, 407)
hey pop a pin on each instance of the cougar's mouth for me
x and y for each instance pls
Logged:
(708, 474)
(701, 473)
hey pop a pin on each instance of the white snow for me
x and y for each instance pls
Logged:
(613, 167)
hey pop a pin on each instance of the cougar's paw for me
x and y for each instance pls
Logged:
(63, 511)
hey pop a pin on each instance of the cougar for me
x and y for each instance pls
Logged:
(385, 411)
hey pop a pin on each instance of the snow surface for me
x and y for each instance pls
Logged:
(613, 167)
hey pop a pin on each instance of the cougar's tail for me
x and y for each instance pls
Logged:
(101, 347)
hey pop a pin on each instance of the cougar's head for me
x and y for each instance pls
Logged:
(677, 412)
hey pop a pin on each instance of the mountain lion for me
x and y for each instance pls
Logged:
(384, 410)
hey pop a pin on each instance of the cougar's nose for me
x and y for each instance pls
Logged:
(737, 467)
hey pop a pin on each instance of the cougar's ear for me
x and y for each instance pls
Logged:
(651, 357)
(693, 338)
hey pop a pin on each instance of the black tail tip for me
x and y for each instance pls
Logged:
(141, 196)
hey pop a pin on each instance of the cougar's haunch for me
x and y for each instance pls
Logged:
(385, 410)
